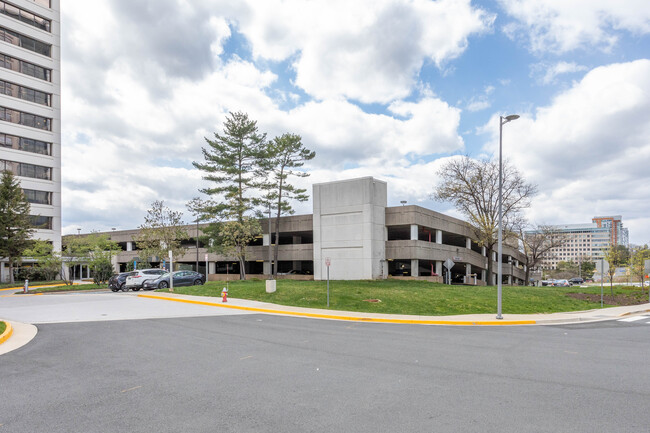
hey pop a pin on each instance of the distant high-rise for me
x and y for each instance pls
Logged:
(618, 235)
(585, 242)
(30, 107)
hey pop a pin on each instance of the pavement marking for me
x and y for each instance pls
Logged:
(346, 318)
(245, 357)
(131, 389)
(634, 319)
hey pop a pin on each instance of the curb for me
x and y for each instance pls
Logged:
(348, 318)
(7, 333)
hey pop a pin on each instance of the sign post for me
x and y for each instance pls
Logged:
(647, 271)
(601, 268)
(206, 268)
(171, 272)
(449, 263)
(327, 263)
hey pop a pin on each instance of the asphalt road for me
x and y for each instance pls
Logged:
(262, 373)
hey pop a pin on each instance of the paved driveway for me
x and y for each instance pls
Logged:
(97, 306)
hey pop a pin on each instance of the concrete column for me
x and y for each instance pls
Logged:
(212, 266)
(468, 271)
(438, 236)
(266, 239)
(297, 265)
(129, 246)
(494, 256)
(439, 268)
(483, 276)
(415, 267)
(468, 243)
(484, 251)
(414, 232)
(267, 268)
(297, 240)
(510, 280)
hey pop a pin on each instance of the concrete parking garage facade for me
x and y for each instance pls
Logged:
(361, 237)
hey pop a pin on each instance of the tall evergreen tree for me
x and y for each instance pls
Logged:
(15, 225)
(285, 154)
(232, 162)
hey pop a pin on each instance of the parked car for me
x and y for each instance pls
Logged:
(295, 272)
(137, 279)
(561, 283)
(181, 278)
(116, 282)
(547, 282)
(576, 280)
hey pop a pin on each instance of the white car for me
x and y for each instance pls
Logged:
(137, 279)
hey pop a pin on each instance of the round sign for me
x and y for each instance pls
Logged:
(327, 262)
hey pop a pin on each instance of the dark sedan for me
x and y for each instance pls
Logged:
(181, 278)
(116, 282)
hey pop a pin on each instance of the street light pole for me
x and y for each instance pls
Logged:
(197, 248)
(502, 121)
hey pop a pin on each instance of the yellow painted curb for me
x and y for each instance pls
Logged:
(36, 287)
(8, 331)
(347, 318)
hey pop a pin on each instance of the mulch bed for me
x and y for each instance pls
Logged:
(634, 298)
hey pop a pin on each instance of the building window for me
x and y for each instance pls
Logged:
(26, 68)
(44, 3)
(25, 42)
(38, 197)
(41, 222)
(26, 170)
(26, 119)
(25, 16)
(25, 144)
(25, 93)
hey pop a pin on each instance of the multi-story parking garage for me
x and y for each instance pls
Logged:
(354, 230)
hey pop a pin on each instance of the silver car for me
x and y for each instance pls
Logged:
(137, 278)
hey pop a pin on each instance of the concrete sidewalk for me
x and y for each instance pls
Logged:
(610, 313)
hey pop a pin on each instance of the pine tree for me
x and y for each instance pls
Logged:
(284, 155)
(15, 225)
(232, 162)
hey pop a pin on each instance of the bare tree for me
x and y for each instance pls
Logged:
(538, 242)
(473, 187)
(161, 232)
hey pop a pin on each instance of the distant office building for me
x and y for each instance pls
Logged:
(585, 242)
(30, 108)
(618, 235)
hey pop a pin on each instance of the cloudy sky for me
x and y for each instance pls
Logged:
(382, 88)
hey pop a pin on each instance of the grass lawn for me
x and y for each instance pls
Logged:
(407, 297)
(77, 287)
(21, 283)
(3, 326)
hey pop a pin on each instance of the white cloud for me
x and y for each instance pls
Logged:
(481, 102)
(588, 150)
(132, 128)
(547, 74)
(370, 50)
(562, 26)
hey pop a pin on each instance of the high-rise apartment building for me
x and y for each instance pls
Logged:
(618, 235)
(30, 107)
(585, 242)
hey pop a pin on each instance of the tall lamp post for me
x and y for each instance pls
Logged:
(502, 121)
(197, 248)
